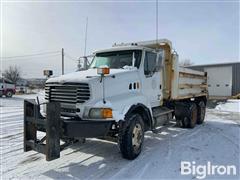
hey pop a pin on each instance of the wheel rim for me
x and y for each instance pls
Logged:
(137, 136)
(9, 93)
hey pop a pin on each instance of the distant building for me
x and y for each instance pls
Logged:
(22, 82)
(37, 82)
(223, 79)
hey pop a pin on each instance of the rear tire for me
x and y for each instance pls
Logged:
(9, 94)
(187, 115)
(201, 108)
(192, 115)
(131, 138)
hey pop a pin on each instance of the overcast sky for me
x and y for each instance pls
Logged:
(205, 32)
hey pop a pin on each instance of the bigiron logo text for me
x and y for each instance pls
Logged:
(204, 170)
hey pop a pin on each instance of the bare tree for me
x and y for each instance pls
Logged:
(12, 73)
(186, 62)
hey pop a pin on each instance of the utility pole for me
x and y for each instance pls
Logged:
(62, 61)
(156, 22)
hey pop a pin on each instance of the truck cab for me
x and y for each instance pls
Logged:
(135, 77)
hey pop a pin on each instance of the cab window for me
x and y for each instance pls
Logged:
(117, 59)
(150, 63)
(159, 63)
(8, 81)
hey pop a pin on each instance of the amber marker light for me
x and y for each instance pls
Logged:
(103, 71)
(107, 113)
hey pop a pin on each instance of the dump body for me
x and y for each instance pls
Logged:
(187, 83)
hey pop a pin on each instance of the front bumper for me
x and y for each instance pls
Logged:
(86, 128)
(56, 128)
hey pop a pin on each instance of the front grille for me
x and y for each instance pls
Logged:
(70, 93)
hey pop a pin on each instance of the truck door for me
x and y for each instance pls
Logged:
(151, 78)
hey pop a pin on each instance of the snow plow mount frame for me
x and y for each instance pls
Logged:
(51, 125)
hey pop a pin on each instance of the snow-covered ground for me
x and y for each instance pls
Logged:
(230, 106)
(216, 141)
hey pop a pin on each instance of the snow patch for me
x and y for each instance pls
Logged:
(230, 105)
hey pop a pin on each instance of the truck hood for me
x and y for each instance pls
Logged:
(116, 87)
(86, 75)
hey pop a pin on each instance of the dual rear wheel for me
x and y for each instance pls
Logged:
(191, 114)
(201, 112)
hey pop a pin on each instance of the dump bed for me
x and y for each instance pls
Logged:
(187, 83)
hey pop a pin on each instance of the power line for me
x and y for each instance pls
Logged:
(30, 55)
(27, 58)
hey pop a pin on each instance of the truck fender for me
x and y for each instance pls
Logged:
(143, 111)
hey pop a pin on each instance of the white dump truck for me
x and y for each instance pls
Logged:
(127, 90)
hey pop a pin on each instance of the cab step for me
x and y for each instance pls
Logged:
(161, 117)
(160, 111)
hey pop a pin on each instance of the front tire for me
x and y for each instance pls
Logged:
(131, 137)
(9, 94)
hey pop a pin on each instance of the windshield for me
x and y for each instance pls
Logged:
(117, 59)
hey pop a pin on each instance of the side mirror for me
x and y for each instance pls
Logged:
(47, 73)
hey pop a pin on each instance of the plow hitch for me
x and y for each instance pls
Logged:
(50, 125)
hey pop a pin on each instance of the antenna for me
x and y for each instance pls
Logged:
(85, 46)
(79, 65)
(156, 22)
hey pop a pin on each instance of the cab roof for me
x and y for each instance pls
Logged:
(151, 45)
(123, 48)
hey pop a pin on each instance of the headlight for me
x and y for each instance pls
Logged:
(98, 113)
